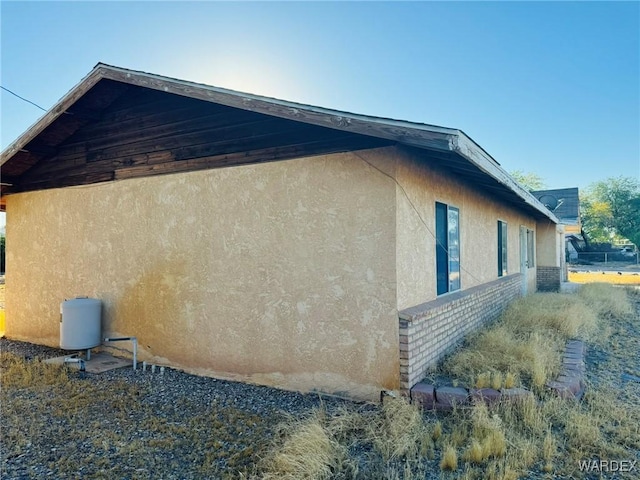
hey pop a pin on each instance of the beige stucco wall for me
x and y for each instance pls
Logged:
(287, 274)
(280, 274)
(550, 244)
(419, 187)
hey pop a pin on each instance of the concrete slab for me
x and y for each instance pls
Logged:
(99, 363)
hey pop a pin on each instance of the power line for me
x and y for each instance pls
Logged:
(22, 98)
(406, 196)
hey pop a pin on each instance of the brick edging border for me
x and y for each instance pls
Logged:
(568, 385)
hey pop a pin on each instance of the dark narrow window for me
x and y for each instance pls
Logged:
(502, 248)
(447, 248)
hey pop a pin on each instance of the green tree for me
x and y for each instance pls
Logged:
(610, 210)
(530, 181)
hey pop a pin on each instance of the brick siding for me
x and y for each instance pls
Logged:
(431, 330)
(548, 279)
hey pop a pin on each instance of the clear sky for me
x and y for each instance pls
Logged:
(550, 88)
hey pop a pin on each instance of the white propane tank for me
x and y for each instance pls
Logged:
(80, 323)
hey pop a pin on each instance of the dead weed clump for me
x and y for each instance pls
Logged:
(308, 452)
(319, 447)
(400, 432)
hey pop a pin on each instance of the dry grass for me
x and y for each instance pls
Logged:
(16, 373)
(318, 447)
(396, 440)
(449, 458)
(308, 452)
(605, 301)
(506, 440)
(611, 278)
(524, 346)
(399, 432)
(49, 409)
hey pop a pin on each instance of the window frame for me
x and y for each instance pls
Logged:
(531, 248)
(447, 248)
(503, 251)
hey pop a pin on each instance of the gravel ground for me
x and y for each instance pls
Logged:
(616, 361)
(194, 415)
(182, 426)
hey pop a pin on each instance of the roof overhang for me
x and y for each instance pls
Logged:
(62, 120)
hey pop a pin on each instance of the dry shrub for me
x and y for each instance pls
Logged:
(437, 431)
(483, 380)
(494, 444)
(308, 452)
(475, 452)
(400, 431)
(449, 458)
(549, 447)
(496, 380)
(510, 380)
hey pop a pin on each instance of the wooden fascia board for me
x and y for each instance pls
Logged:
(438, 138)
(51, 115)
(470, 150)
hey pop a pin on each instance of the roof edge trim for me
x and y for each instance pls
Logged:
(52, 114)
(470, 150)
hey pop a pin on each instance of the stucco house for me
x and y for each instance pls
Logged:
(256, 239)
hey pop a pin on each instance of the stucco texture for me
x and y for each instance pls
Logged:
(419, 186)
(280, 273)
(550, 244)
(288, 273)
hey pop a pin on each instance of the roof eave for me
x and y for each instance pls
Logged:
(467, 148)
(52, 114)
(408, 133)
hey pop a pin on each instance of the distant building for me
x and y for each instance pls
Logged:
(564, 203)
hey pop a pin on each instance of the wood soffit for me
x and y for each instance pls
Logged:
(118, 123)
